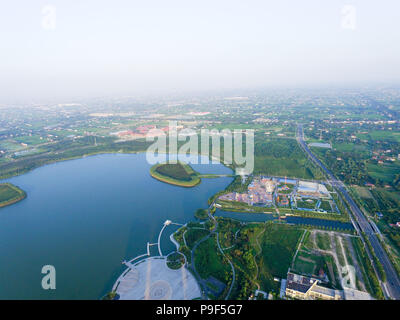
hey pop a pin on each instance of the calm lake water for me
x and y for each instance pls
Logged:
(85, 217)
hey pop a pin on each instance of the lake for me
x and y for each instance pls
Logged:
(85, 217)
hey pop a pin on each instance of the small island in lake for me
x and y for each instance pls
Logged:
(10, 194)
(178, 174)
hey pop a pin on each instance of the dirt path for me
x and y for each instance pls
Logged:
(334, 255)
(359, 275)
(298, 248)
(343, 252)
(314, 241)
(258, 253)
(331, 252)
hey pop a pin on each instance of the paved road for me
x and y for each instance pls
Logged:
(203, 283)
(211, 216)
(213, 231)
(393, 282)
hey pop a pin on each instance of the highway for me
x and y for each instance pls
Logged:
(393, 282)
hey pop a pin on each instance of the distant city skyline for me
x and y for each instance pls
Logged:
(62, 49)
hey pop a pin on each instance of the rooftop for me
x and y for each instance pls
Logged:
(299, 283)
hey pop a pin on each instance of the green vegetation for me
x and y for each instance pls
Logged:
(341, 206)
(392, 253)
(371, 280)
(237, 185)
(193, 235)
(365, 156)
(339, 252)
(306, 203)
(237, 206)
(69, 149)
(317, 260)
(325, 205)
(201, 214)
(377, 263)
(327, 209)
(175, 260)
(386, 172)
(310, 264)
(29, 140)
(259, 252)
(282, 157)
(361, 127)
(178, 174)
(110, 296)
(289, 188)
(10, 194)
(323, 241)
(174, 170)
(278, 245)
(210, 262)
(178, 236)
(386, 202)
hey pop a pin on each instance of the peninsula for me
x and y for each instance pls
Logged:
(178, 174)
(10, 194)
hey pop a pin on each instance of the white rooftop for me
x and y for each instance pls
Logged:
(151, 279)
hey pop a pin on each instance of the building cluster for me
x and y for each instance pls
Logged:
(397, 225)
(264, 191)
(312, 189)
(306, 288)
(198, 113)
(384, 155)
(259, 192)
(140, 132)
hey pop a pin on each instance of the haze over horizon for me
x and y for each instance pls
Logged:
(60, 49)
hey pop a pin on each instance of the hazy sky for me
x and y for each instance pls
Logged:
(98, 47)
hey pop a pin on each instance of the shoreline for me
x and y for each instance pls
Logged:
(196, 180)
(14, 200)
(22, 172)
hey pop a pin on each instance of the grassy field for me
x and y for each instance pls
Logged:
(371, 280)
(282, 157)
(310, 204)
(380, 135)
(259, 252)
(30, 140)
(363, 192)
(174, 171)
(209, 262)
(325, 205)
(385, 172)
(175, 260)
(193, 235)
(179, 174)
(237, 206)
(10, 194)
(278, 243)
(323, 241)
(308, 264)
(350, 147)
(201, 214)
